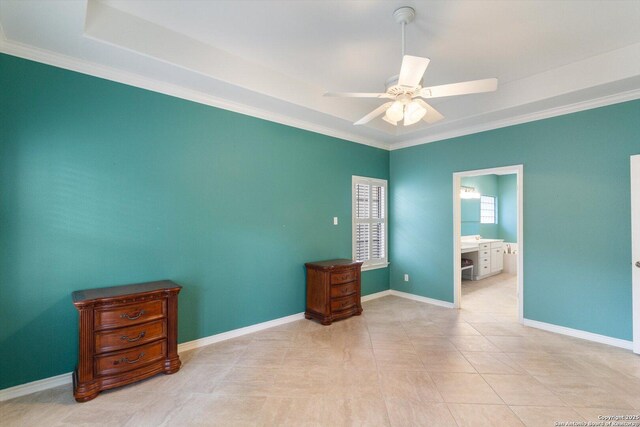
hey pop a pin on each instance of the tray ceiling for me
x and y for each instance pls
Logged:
(275, 59)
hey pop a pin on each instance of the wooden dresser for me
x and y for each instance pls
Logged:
(333, 290)
(126, 333)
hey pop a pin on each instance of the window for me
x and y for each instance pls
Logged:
(488, 210)
(369, 221)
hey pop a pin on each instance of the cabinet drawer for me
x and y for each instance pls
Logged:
(483, 261)
(343, 277)
(343, 303)
(484, 253)
(127, 360)
(345, 289)
(484, 269)
(131, 314)
(484, 246)
(131, 336)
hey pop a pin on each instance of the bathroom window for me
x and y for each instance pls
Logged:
(488, 210)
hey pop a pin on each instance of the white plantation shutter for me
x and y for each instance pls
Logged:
(362, 242)
(370, 221)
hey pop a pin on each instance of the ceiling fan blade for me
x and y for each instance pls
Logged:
(462, 88)
(375, 113)
(432, 114)
(412, 70)
(358, 95)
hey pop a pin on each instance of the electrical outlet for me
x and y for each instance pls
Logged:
(335, 220)
(406, 277)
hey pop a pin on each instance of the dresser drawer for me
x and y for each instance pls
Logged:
(344, 303)
(484, 253)
(128, 360)
(343, 290)
(343, 277)
(484, 246)
(131, 314)
(130, 336)
(483, 262)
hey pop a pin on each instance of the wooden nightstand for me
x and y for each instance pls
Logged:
(333, 290)
(126, 333)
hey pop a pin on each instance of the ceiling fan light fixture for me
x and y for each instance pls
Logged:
(395, 112)
(406, 89)
(414, 112)
(388, 120)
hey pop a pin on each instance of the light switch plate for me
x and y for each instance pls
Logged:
(335, 220)
(406, 277)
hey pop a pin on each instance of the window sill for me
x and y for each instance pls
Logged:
(374, 266)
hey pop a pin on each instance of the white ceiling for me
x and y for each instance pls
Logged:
(275, 59)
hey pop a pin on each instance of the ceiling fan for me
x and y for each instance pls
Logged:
(406, 90)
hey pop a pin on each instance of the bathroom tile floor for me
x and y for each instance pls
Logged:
(402, 363)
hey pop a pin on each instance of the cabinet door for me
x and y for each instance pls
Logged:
(496, 260)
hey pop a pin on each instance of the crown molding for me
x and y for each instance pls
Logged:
(132, 79)
(524, 118)
(109, 73)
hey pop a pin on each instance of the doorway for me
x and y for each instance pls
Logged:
(635, 249)
(486, 268)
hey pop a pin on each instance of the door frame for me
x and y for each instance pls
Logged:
(635, 248)
(518, 170)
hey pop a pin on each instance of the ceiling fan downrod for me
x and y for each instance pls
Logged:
(403, 16)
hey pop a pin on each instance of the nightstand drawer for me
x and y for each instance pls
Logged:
(343, 290)
(343, 303)
(131, 314)
(343, 277)
(128, 360)
(131, 336)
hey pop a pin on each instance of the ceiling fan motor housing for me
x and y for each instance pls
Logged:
(393, 88)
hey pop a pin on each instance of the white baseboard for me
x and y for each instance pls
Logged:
(576, 333)
(212, 339)
(63, 379)
(419, 298)
(375, 296)
(34, 386)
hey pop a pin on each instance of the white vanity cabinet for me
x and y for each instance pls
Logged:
(496, 257)
(486, 254)
(484, 260)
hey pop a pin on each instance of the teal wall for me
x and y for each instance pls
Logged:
(104, 184)
(486, 185)
(508, 208)
(577, 232)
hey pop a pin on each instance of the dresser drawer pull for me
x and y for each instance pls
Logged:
(126, 359)
(134, 317)
(346, 303)
(126, 337)
(346, 290)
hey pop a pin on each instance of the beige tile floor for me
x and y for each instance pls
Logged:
(401, 363)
